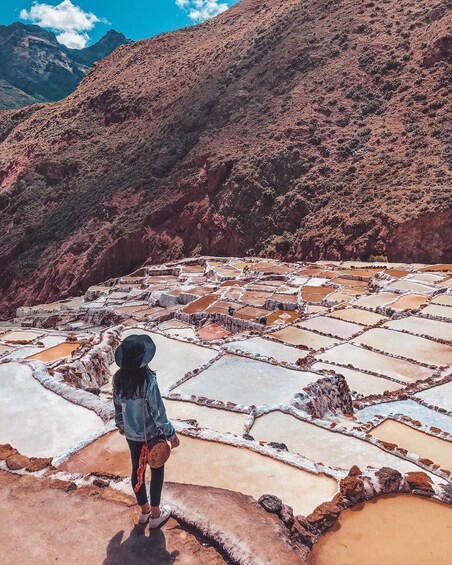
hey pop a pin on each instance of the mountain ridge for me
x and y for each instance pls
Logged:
(34, 67)
(298, 131)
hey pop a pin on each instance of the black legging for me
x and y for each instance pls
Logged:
(156, 477)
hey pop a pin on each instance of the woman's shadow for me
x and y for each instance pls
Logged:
(139, 549)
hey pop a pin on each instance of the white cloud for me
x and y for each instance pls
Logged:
(200, 10)
(70, 23)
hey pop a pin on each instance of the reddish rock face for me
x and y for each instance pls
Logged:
(352, 488)
(390, 480)
(281, 129)
(419, 481)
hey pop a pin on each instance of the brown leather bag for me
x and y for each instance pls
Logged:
(158, 448)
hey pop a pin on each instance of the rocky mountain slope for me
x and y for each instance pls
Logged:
(299, 130)
(34, 67)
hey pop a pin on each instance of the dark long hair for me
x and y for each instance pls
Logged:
(128, 383)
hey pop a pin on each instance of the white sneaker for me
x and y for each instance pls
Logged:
(165, 513)
(143, 519)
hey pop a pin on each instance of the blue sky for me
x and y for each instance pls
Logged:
(81, 22)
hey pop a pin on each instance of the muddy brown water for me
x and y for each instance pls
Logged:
(391, 530)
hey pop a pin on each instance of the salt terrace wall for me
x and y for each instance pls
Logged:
(325, 396)
(91, 368)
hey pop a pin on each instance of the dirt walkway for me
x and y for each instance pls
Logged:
(43, 525)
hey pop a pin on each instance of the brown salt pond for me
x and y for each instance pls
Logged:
(315, 293)
(213, 464)
(358, 316)
(392, 529)
(53, 353)
(326, 325)
(281, 317)
(213, 331)
(299, 336)
(360, 358)
(250, 313)
(322, 445)
(200, 304)
(409, 302)
(437, 450)
(406, 345)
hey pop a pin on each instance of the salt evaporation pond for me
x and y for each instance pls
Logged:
(409, 346)
(437, 450)
(208, 463)
(258, 345)
(44, 423)
(327, 325)
(298, 336)
(322, 445)
(18, 335)
(53, 353)
(438, 311)
(223, 421)
(392, 529)
(358, 316)
(409, 408)
(247, 381)
(422, 326)
(440, 396)
(373, 301)
(173, 358)
(367, 360)
(361, 383)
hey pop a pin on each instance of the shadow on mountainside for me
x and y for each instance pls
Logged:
(139, 548)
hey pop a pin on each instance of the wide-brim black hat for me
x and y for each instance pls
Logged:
(135, 351)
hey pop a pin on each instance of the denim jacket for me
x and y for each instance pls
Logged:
(129, 413)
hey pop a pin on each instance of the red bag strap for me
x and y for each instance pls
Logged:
(144, 452)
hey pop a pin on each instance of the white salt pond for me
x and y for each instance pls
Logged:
(5, 349)
(361, 383)
(442, 300)
(22, 352)
(269, 348)
(440, 396)
(327, 325)
(223, 421)
(37, 421)
(247, 381)
(52, 340)
(299, 336)
(374, 301)
(437, 450)
(422, 326)
(173, 358)
(438, 311)
(409, 346)
(411, 286)
(367, 360)
(409, 408)
(208, 463)
(358, 316)
(321, 445)
(25, 335)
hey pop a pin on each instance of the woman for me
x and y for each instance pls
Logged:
(133, 382)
